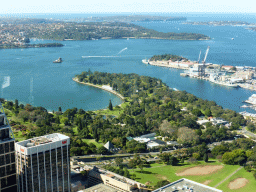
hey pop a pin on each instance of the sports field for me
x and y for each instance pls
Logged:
(211, 174)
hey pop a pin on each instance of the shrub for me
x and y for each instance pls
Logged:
(192, 160)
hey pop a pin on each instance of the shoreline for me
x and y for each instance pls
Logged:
(90, 84)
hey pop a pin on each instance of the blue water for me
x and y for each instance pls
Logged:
(36, 80)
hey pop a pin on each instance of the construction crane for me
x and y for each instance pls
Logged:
(201, 67)
(199, 56)
(206, 53)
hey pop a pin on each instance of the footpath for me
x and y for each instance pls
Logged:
(228, 176)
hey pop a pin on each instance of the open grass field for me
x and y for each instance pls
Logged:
(249, 187)
(88, 141)
(159, 172)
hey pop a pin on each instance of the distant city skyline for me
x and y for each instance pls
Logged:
(132, 6)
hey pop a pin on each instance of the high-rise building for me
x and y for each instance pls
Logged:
(7, 156)
(43, 164)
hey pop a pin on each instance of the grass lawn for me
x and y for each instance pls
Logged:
(115, 112)
(88, 141)
(250, 187)
(159, 172)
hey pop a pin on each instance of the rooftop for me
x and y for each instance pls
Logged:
(99, 188)
(186, 185)
(43, 140)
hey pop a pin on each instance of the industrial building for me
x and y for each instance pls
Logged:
(186, 185)
(43, 164)
(7, 156)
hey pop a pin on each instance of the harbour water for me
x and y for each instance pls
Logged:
(35, 79)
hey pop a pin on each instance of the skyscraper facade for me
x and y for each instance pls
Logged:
(7, 156)
(43, 164)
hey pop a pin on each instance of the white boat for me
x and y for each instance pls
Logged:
(145, 61)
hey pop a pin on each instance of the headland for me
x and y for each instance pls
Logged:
(106, 87)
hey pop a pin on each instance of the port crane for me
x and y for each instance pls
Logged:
(201, 67)
(199, 56)
(206, 53)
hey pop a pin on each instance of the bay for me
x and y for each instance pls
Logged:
(35, 79)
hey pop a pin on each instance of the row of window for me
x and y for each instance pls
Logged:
(7, 159)
(7, 170)
(7, 181)
(6, 147)
(4, 133)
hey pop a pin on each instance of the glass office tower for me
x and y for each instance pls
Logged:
(7, 156)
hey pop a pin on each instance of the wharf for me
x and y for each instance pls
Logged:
(175, 65)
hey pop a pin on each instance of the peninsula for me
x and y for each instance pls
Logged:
(14, 33)
(231, 76)
(131, 18)
(222, 23)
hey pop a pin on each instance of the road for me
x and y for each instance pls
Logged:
(248, 134)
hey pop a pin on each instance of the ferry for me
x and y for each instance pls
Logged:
(58, 60)
(145, 61)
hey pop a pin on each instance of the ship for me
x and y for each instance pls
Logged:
(145, 61)
(58, 60)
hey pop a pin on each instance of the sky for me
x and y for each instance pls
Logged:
(128, 6)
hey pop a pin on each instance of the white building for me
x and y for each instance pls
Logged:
(43, 163)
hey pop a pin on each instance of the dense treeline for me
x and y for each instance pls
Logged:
(167, 57)
(151, 106)
(98, 30)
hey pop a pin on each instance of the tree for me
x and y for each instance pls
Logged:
(206, 157)
(173, 161)
(118, 161)
(102, 150)
(110, 106)
(197, 112)
(167, 128)
(132, 163)
(161, 183)
(254, 174)
(60, 110)
(187, 136)
(235, 157)
(24, 115)
(141, 164)
(16, 103)
(208, 113)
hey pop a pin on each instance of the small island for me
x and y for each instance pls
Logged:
(22, 45)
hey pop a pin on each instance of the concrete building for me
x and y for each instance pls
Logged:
(43, 163)
(186, 185)
(7, 156)
(113, 180)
